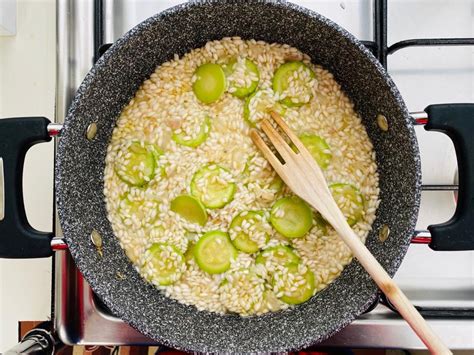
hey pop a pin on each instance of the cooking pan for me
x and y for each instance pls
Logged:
(80, 163)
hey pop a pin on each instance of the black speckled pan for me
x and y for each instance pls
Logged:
(110, 85)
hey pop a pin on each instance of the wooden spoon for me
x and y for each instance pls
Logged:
(305, 178)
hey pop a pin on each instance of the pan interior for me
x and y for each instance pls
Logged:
(111, 84)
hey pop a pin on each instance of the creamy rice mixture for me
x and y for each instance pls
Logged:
(166, 107)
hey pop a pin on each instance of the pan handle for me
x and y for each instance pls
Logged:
(17, 238)
(457, 121)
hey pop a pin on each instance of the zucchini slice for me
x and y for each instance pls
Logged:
(319, 149)
(136, 166)
(258, 105)
(190, 208)
(277, 255)
(249, 231)
(193, 141)
(214, 251)
(209, 82)
(211, 185)
(242, 290)
(320, 224)
(137, 210)
(294, 284)
(292, 81)
(291, 217)
(350, 201)
(276, 185)
(269, 302)
(164, 264)
(242, 77)
(189, 254)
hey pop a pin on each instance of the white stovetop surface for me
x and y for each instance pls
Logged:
(27, 83)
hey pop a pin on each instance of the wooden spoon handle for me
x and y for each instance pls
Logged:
(396, 296)
(383, 280)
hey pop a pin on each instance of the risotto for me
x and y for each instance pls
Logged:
(199, 211)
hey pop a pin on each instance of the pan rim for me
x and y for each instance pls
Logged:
(103, 62)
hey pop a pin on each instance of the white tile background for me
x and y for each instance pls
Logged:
(27, 87)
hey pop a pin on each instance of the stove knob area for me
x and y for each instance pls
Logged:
(41, 340)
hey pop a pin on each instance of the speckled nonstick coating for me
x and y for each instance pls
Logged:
(110, 85)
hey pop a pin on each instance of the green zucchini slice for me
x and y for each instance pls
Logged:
(136, 165)
(319, 149)
(292, 82)
(190, 208)
(214, 252)
(277, 255)
(242, 290)
(197, 139)
(258, 105)
(164, 264)
(294, 284)
(211, 185)
(138, 210)
(350, 201)
(249, 231)
(291, 217)
(242, 77)
(209, 82)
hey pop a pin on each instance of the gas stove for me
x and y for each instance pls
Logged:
(441, 284)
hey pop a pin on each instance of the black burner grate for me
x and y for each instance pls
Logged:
(380, 47)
